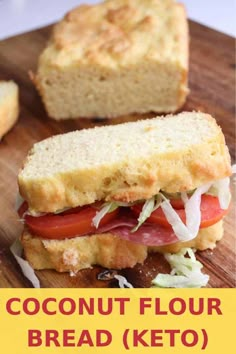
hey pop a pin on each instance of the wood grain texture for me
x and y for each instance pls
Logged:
(212, 70)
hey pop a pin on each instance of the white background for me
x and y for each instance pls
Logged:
(17, 16)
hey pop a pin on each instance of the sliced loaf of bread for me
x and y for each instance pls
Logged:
(114, 58)
(124, 162)
(9, 106)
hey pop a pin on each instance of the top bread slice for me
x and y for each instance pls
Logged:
(125, 162)
(114, 58)
(9, 105)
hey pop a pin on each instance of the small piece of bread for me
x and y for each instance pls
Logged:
(107, 250)
(9, 106)
(125, 162)
(114, 58)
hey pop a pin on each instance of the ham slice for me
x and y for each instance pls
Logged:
(148, 234)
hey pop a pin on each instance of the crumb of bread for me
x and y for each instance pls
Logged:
(70, 257)
(9, 106)
(124, 162)
(106, 250)
(116, 57)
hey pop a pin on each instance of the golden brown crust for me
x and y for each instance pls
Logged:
(109, 163)
(9, 106)
(107, 250)
(114, 27)
(120, 47)
(183, 40)
(78, 253)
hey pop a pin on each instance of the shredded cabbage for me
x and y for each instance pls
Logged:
(27, 270)
(123, 282)
(186, 272)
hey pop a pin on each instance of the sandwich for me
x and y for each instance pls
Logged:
(110, 195)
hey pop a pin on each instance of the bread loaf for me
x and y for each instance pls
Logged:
(114, 58)
(9, 106)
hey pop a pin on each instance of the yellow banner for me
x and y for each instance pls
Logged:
(117, 321)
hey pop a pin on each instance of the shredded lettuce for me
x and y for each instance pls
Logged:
(177, 195)
(149, 206)
(192, 202)
(59, 211)
(123, 282)
(184, 197)
(193, 214)
(221, 189)
(193, 210)
(26, 268)
(19, 201)
(186, 272)
(107, 208)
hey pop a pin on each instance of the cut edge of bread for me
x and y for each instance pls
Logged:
(127, 179)
(81, 99)
(9, 106)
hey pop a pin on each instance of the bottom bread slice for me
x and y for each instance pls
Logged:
(106, 250)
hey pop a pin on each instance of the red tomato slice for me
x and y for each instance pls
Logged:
(78, 222)
(211, 212)
(177, 203)
(22, 209)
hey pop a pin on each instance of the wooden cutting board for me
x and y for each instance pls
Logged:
(212, 69)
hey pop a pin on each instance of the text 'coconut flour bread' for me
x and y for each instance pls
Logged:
(109, 195)
(115, 58)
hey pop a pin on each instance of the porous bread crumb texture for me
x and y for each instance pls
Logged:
(9, 106)
(114, 58)
(125, 162)
(106, 250)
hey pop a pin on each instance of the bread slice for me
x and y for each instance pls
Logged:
(107, 250)
(114, 58)
(125, 162)
(9, 106)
